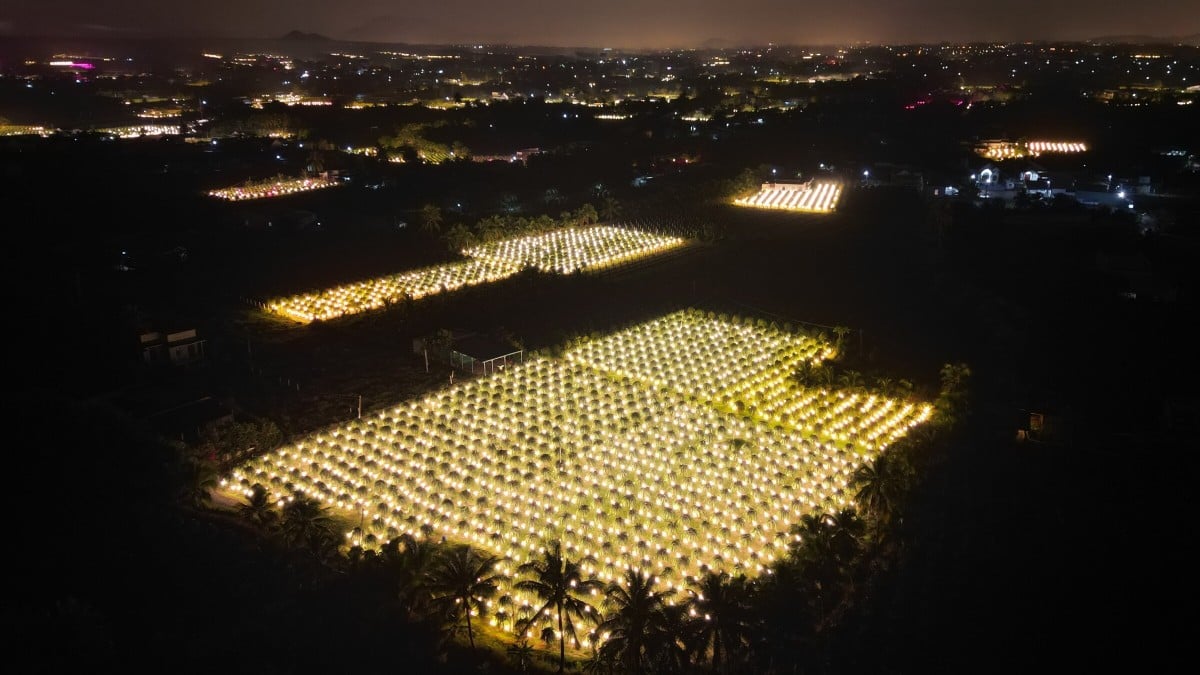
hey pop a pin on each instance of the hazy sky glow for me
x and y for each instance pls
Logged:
(616, 23)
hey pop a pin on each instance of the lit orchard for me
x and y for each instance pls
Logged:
(812, 197)
(1038, 147)
(271, 188)
(140, 130)
(373, 294)
(563, 251)
(1009, 150)
(628, 472)
(576, 249)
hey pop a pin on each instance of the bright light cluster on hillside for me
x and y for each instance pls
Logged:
(576, 249)
(562, 251)
(622, 449)
(271, 188)
(812, 197)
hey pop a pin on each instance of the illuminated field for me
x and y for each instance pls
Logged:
(1038, 147)
(24, 130)
(563, 251)
(576, 249)
(617, 449)
(140, 130)
(1009, 150)
(812, 197)
(271, 188)
(375, 293)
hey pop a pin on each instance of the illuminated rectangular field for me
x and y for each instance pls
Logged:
(564, 251)
(576, 249)
(372, 294)
(621, 460)
(273, 188)
(816, 197)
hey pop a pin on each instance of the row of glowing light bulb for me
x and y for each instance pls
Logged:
(817, 198)
(1038, 147)
(691, 353)
(375, 293)
(820, 411)
(576, 249)
(688, 353)
(139, 130)
(562, 251)
(381, 465)
(274, 188)
(511, 504)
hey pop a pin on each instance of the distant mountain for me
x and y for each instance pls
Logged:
(296, 36)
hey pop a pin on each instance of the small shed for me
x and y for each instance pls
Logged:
(479, 354)
(179, 348)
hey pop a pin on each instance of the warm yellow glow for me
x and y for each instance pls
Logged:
(576, 249)
(375, 293)
(139, 130)
(271, 188)
(812, 197)
(562, 251)
(999, 150)
(628, 450)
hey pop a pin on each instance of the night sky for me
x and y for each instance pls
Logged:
(615, 23)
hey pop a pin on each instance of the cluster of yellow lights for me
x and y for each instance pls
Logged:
(139, 130)
(160, 113)
(372, 294)
(1038, 147)
(812, 197)
(1004, 150)
(24, 130)
(258, 102)
(620, 459)
(563, 251)
(271, 188)
(575, 249)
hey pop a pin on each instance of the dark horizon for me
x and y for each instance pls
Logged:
(624, 24)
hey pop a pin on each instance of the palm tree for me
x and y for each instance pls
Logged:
(521, 654)
(829, 544)
(258, 508)
(952, 401)
(841, 332)
(200, 479)
(465, 580)
(880, 485)
(718, 608)
(305, 521)
(851, 379)
(556, 581)
(610, 209)
(412, 562)
(430, 218)
(639, 627)
(586, 214)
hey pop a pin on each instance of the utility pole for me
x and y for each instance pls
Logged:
(360, 406)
